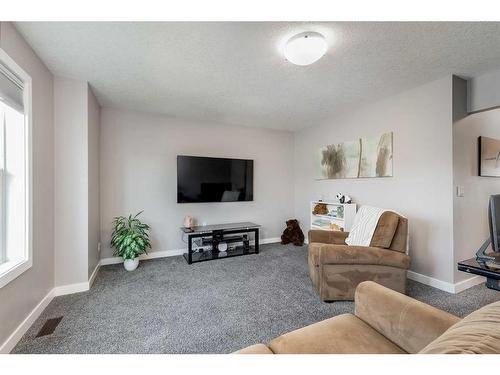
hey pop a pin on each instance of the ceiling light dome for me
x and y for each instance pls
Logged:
(305, 48)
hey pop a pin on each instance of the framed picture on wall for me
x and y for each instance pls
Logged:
(488, 157)
(364, 157)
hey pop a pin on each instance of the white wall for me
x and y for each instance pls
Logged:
(19, 297)
(484, 91)
(470, 211)
(94, 118)
(71, 181)
(421, 188)
(138, 172)
(77, 125)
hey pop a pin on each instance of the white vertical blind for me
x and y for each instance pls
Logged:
(11, 88)
(3, 255)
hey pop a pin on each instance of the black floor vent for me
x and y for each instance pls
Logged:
(49, 326)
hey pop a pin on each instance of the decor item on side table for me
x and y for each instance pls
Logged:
(130, 239)
(364, 157)
(342, 198)
(292, 233)
(320, 209)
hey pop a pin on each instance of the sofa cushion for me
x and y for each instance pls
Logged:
(477, 333)
(400, 239)
(345, 254)
(385, 229)
(343, 334)
(409, 323)
(255, 349)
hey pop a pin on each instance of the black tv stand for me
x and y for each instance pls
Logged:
(489, 270)
(236, 236)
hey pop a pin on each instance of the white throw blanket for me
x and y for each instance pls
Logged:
(364, 225)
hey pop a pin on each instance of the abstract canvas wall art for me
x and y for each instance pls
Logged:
(365, 157)
(488, 157)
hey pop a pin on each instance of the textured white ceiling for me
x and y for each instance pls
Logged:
(234, 73)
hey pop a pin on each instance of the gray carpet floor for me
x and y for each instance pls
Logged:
(168, 306)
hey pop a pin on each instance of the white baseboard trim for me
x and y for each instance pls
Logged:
(70, 289)
(18, 333)
(468, 283)
(270, 240)
(77, 287)
(443, 285)
(94, 274)
(170, 253)
(151, 255)
(427, 280)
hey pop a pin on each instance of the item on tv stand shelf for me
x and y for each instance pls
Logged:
(188, 222)
(222, 247)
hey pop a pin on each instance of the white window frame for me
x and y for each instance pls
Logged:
(10, 270)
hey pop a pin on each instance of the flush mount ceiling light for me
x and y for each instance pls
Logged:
(305, 48)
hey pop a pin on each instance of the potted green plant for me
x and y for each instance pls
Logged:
(130, 239)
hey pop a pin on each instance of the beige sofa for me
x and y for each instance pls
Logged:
(388, 322)
(336, 269)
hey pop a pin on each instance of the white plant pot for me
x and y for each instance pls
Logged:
(131, 264)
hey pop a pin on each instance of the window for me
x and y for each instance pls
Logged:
(15, 170)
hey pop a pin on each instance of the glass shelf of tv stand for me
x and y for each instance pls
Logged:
(205, 255)
(211, 228)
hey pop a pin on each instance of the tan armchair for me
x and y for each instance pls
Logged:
(336, 268)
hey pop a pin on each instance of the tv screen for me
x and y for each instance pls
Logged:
(201, 179)
(494, 222)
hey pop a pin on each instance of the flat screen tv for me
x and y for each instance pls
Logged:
(493, 242)
(494, 222)
(202, 179)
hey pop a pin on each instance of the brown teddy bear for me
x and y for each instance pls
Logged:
(292, 233)
(320, 209)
